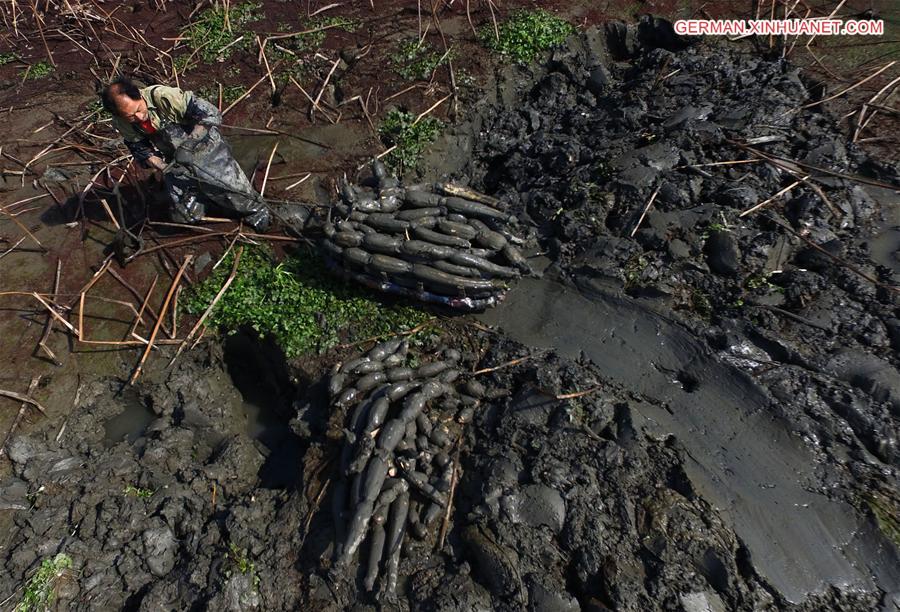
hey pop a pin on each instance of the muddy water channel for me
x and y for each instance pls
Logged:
(741, 457)
(687, 409)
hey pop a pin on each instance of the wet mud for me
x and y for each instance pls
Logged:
(740, 453)
(699, 416)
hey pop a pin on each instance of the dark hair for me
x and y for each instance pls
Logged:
(121, 86)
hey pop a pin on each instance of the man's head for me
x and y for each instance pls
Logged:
(123, 98)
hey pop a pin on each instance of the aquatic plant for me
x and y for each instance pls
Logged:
(414, 61)
(210, 34)
(38, 70)
(409, 137)
(525, 34)
(40, 592)
(296, 302)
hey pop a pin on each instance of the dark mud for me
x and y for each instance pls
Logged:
(773, 366)
(740, 454)
(152, 492)
(704, 416)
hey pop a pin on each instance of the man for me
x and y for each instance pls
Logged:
(177, 133)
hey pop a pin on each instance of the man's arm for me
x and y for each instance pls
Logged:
(183, 107)
(201, 115)
(139, 146)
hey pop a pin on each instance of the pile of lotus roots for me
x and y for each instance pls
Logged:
(439, 243)
(396, 469)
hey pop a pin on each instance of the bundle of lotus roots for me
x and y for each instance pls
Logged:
(396, 467)
(439, 243)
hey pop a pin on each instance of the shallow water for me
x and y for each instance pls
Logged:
(129, 424)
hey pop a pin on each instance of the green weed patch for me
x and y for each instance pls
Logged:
(209, 34)
(38, 71)
(40, 592)
(526, 34)
(399, 129)
(413, 61)
(133, 491)
(230, 93)
(296, 302)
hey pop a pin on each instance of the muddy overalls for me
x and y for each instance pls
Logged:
(204, 169)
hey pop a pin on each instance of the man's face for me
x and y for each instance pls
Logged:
(131, 110)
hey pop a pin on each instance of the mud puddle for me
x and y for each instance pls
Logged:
(740, 457)
(885, 244)
(317, 150)
(886, 248)
(259, 374)
(130, 424)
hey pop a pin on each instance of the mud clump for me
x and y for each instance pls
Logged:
(150, 517)
(691, 181)
(646, 177)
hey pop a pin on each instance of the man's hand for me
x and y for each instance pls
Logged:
(198, 131)
(156, 162)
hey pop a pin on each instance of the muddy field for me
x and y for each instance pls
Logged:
(691, 404)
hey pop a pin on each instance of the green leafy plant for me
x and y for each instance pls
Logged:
(38, 71)
(415, 61)
(209, 34)
(184, 62)
(238, 556)
(133, 491)
(8, 58)
(526, 34)
(230, 93)
(634, 269)
(399, 129)
(761, 281)
(713, 227)
(296, 302)
(240, 560)
(40, 592)
(464, 78)
(700, 304)
(96, 106)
